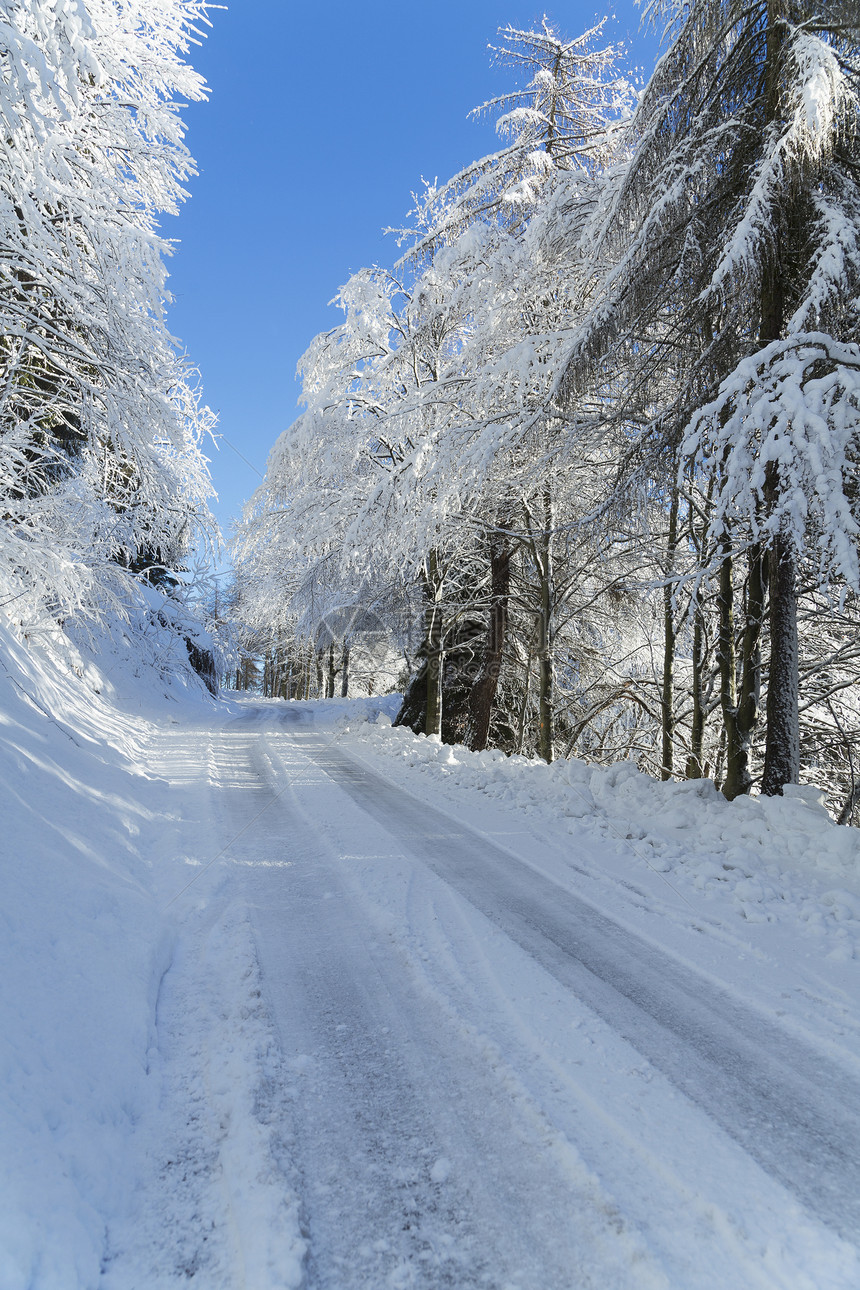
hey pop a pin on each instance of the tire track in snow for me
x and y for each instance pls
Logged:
(416, 1168)
(792, 1110)
(217, 1208)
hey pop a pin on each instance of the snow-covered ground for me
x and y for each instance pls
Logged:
(291, 998)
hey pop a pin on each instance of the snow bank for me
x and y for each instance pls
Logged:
(82, 952)
(138, 1061)
(773, 858)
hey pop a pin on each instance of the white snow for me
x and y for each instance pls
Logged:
(758, 859)
(251, 1038)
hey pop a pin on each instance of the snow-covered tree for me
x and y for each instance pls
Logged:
(567, 116)
(736, 263)
(603, 413)
(101, 468)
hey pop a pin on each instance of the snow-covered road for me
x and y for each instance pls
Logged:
(795, 1112)
(401, 1139)
(480, 1079)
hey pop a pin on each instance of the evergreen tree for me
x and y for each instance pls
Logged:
(740, 279)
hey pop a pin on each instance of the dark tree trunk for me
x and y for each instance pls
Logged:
(695, 763)
(850, 805)
(750, 683)
(696, 767)
(667, 708)
(433, 646)
(344, 678)
(726, 662)
(782, 744)
(483, 691)
(738, 779)
(782, 747)
(524, 706)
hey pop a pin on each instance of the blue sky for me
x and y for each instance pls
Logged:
(320, 124)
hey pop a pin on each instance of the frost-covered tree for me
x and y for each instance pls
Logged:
(603, 414)
(567, 116)
(425, 432)
(487, 226)
(736, 263)
(101, 467)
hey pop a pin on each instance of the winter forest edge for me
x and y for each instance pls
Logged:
(577, 472)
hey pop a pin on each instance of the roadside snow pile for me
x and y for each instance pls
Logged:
(775, 858)
(82, 954)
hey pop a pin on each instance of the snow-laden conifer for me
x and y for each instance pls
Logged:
(567, 116)
(732, 238)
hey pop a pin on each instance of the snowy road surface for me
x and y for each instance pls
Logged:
(794, 1112)
(461, 1074)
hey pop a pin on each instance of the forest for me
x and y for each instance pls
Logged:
(584, 457)
(577, 472)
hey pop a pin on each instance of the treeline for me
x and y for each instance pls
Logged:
(595, 436)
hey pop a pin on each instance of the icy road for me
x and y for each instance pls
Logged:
(435, 1063)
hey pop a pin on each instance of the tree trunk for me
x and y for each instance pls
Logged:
(344, 680)
(695, 762)
(545, 633)
(720, 758)
(740, 712)
(524, 706)
(849, 805)
(750, 680)
(483, 691)
(667, 708)
(782, 743)
(332, 672)
(737, 778)
(782, 747)
(433, 646)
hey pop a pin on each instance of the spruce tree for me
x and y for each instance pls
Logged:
(734, 238)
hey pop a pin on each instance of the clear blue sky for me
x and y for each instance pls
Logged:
(321, 122)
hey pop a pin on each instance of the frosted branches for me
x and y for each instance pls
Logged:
(100, 421)
(794, 406)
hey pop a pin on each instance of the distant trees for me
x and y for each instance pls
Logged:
(605, 411)
(101, 469)
(407, 401)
